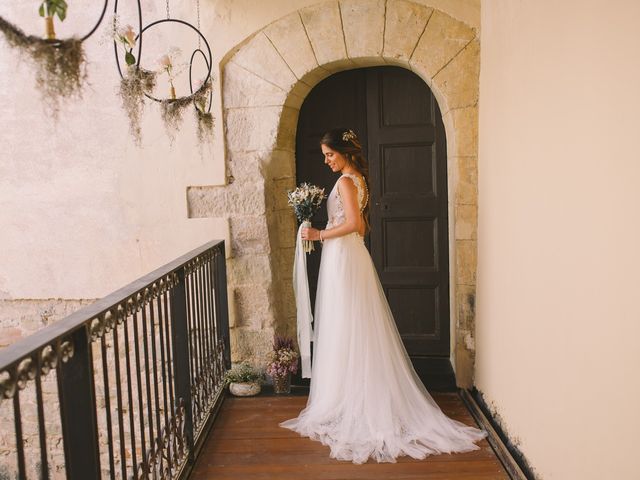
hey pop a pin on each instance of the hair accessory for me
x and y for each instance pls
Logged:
(348, 135)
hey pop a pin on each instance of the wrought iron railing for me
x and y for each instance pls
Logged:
(126, 387)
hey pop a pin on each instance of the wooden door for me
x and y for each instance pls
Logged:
(396, 116)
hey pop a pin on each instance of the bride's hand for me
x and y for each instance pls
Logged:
(310, 233)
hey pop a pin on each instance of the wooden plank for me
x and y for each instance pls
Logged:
(247, 443)
(395, 471)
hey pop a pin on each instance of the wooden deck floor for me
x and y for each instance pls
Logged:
(247, 443)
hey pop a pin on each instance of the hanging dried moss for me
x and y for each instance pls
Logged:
(60, 65)
(205, 126)
(133, 86)
(172, 109)
(204, 119)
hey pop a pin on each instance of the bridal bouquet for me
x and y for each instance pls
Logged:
(305, 200)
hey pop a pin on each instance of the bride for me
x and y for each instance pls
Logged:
(365, 398)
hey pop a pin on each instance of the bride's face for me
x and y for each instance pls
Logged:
(333, 158)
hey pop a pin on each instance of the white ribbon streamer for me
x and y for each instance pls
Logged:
(303, 304)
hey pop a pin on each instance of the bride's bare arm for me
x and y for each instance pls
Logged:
(349, 195)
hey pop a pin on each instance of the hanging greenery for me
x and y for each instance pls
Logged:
(136, 82)
(204, 119)
(172, 109)
(60, 64)
(133, 87)
(61, 71)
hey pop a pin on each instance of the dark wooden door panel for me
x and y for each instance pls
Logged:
(418, 254)
(408, 173)
(408, 170)
(404, 99)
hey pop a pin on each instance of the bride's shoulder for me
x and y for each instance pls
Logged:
(353, 183)
(356, 179)
(349, 187)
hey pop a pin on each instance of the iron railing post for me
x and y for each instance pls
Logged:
(76, 392)
(182, 371)
(222, 308)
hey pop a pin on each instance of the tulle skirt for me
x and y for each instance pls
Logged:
(365, 399)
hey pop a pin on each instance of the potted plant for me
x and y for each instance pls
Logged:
(49, 8)
(244, 380)
(283, 361)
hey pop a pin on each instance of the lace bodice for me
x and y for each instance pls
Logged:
(335, 208)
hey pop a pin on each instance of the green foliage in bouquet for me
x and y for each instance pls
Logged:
(305, 200)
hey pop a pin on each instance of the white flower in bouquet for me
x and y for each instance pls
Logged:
(305, 200)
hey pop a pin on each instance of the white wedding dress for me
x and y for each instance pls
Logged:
(365, 398)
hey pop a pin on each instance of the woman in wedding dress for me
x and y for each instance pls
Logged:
(365, 398)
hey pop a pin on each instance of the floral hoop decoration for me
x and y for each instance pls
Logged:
(60, 64)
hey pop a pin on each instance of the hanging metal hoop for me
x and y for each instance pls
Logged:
(196, 51)
(95, 27)
(138, 37)
(209, 62)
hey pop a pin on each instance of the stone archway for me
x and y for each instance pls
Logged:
(265, 81)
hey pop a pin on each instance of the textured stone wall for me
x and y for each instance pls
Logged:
(19, 319)
(265, 80)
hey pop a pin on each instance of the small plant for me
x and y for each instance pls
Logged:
(283, 359)
(167, 64)
(48, 9)
(243, 373)
(60, 65)
(127, 37)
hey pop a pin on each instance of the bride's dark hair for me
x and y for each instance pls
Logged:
(346, 142)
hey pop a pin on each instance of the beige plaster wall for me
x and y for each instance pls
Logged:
(559, 227)
(83, 210)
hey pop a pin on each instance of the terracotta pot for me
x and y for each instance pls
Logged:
(244, 389)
